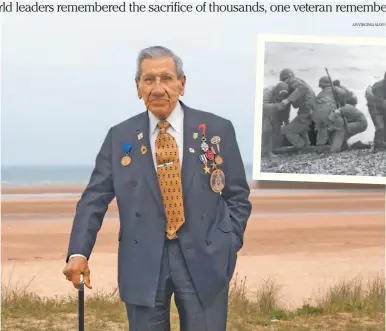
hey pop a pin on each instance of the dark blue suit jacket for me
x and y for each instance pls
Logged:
(215, 223)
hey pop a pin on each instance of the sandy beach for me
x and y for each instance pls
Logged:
(305, 239)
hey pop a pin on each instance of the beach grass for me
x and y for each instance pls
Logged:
(351, 305)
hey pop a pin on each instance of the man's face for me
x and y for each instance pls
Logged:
(159, 86)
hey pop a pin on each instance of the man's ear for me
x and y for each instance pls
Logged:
(183, 83)
(139, 93)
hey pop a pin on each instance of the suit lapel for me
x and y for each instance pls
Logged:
(191, 150)
(147, 162)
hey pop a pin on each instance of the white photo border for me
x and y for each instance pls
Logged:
(262, 39)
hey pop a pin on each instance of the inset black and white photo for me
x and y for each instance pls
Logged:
(320, 109)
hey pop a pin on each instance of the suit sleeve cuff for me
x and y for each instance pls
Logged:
(73, 255)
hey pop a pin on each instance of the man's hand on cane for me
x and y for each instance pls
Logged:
(76, 266)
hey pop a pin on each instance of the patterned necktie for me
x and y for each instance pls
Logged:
(169, 178)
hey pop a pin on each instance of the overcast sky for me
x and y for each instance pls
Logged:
(66, 79)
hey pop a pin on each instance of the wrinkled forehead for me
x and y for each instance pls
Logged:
(158, 66)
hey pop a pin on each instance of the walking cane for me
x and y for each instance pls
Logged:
(81, 304)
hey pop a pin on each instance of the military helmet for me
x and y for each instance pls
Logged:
(285, 74)
(281, 88)
(324, 81)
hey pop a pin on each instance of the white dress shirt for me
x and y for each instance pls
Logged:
(176, 129)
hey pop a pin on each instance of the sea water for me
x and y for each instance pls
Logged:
(56, 175)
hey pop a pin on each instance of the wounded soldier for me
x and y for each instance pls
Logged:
(273, 117)
(342, 128)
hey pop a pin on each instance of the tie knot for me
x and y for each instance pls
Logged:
(163, 126)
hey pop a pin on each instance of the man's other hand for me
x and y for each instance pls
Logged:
(76, 266)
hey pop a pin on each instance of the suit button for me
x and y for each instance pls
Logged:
(137, 214)
(135, 241)
(208, 242)
(134, 183)
(203, 217)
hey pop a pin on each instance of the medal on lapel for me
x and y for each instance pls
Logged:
(216, 141)
(204, 160)
(126, 159)
(211, 154)
(204, 147)
(217, 181)
(217, 178)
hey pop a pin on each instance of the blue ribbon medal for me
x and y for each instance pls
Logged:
(126, 159)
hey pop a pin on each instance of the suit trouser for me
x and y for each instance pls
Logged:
(341, 136)
(175, 278)
(297, 131)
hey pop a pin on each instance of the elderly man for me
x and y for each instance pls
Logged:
(302, 98)
(273, 117)
(325, 104)
(376, 104)
(344, 124)
(183, 200)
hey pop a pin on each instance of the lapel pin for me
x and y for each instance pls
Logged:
(140, 136)
(143, 149)
(126, 159)
(191, 150)
(195, 135)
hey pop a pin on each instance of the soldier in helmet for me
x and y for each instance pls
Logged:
(272, 117)
(351, 98)
(302, 98)
(345, 123)
(325, 104)
(376, 104)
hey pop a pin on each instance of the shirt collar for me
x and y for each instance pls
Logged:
(176, 120)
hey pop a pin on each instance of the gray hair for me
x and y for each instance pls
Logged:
(158, 51)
